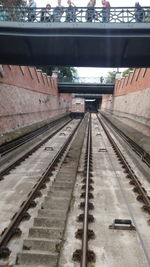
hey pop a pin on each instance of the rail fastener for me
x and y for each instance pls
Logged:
(122, 224)
(77, 256)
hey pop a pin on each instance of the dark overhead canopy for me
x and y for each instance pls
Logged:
(75, 44)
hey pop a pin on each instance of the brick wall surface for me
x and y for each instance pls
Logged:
(137, 80)
(27, 96)
(131, 100)
(29, 78)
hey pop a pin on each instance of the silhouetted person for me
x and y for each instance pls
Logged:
(45, 14)
(58, 12)
(105, 11)
(31, 10)
(1, 71)
(138, 12)
(71, 12)
(90, 13)
(101, 79)
(2, 13)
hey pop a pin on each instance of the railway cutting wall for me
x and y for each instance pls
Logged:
(28, 96)
(130, 102)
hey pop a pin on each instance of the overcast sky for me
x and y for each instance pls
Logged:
(93, 72)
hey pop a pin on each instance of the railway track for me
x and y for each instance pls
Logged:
(84, 255)
(145, 157)
(111, 222)
(12, 145)
(138, 188)
(58, 198)
(12, 156)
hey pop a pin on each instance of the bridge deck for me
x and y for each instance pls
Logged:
(75, 44)
(84, 88)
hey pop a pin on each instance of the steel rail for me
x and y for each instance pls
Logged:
(11, 145)
(7, 233)
(136, 182)
(84, 261)
(135, 147)
(18, 161)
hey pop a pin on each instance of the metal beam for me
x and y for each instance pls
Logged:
(75, 44)
(85, 88)
(89, 96)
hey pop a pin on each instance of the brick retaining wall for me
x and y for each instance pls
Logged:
(28, 96)
(131, 100)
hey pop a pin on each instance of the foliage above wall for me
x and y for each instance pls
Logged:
(112, 74)
(67, 72)
(12, 2)
(124, 73)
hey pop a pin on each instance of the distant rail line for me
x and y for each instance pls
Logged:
(11, 146)
(145, 157)
(138, 188)
(29, 202)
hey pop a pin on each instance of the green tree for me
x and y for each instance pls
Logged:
(12, 2)
(12, 13)
(69, 73)
(46, 69)
(111, 76)
(126, 71)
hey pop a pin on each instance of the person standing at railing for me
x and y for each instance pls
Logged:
(105, 11)
(1, 71)
(58, 12)
(45, 14)
(2, 13)
(90, 13)
(71, 12)
(101, 79)
(31, 10)
(139, 12)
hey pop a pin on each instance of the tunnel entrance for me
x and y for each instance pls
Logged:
(92, 105)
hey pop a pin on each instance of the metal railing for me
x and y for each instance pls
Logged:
(87, 80)
(75, 14)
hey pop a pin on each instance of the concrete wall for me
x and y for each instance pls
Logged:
(131, 100)
(27, 96)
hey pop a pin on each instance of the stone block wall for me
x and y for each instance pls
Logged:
(28, 96)
(130, 102)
